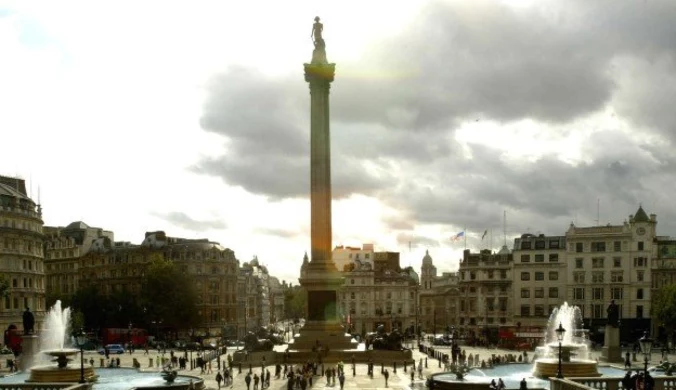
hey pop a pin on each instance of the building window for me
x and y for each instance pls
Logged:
(640, 262)
(639, 311)
(616, 293)
(554, 244)
(503, 274)
(598, 246)
(539, 276)
(553, 275)
(539, 258)
(553, 257)
(597, 277)
(597, 262)
(579, 247)
(539, 311)
(639, 276)
(525, 276)
(525, 258)
(578, 262)
(472, 275)
(597, 311)
(553, 292)
(525, 293)
(617, 262)
(616, 277)
(525, 310)
(639, 293)
(351, 281)
(617, 246)
(366, 255)
(539, 292)
(578, 293)
(640, 245)
(597, 293)
(578, 277)
(490, 274)
(540, 244)
(352, 295)
(525, 245)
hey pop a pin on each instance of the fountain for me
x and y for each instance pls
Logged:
(576, 361)
(52, 343)
(575, 356)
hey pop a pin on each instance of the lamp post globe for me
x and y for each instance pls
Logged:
(560, 331)
(646, 344)
(81, 339)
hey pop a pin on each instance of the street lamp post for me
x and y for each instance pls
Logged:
(646, 344)
(435, 323)
(560, 331)
(81, 340)
(129, 338)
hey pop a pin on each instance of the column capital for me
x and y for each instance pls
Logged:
(319, 72)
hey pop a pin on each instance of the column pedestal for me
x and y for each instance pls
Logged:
(611, 352)
(30, 347)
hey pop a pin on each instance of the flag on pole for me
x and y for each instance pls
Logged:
(484, 235)
(458, 236)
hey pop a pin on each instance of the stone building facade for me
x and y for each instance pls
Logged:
(663, 273)
(486, 293)
(612, 262)
(213, 269)
(21, 254)
(438, 298)
(540, 278)
(63, 248)
(378, 292)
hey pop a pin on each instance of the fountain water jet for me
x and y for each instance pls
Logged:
(574, 348)
(53, 339)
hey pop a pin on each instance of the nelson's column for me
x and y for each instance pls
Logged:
(319, 277)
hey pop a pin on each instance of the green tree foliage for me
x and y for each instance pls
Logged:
(664, 307)
(295, 301)
(94, 307)
(168, 295)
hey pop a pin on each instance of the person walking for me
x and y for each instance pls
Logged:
(341, 379)
(267, 378)
(256, 379)
(247, 380)
(627, 360)
(386, 374)
(219, 378)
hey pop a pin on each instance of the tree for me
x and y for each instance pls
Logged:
(93, 306)
(295, 301)
(664, 307)
(168, 295)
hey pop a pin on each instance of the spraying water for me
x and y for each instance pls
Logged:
(55, 334)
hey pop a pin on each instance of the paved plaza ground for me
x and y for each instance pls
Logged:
(398, 380)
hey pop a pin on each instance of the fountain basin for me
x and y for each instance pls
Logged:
(51, 374)
(549, 367)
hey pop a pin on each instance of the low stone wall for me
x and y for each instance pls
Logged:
(295, 357)
(45, 386)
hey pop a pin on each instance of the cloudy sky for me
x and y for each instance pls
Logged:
(192, 117)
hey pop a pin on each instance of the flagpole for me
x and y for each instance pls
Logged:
(464, 233)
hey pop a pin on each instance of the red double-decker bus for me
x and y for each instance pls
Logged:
(521, 337)
(136, 336)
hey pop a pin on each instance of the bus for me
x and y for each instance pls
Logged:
(136, 336)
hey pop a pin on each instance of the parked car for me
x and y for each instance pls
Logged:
(112, 348)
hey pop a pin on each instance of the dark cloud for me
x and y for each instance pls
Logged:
(184, 221)
(394, 114)
(547, 194)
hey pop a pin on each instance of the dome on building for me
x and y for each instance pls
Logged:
(504, 250)
(77, 225)
(427, 260)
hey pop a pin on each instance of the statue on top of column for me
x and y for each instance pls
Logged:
(319, 53)
(28, 322)
(613, 314)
